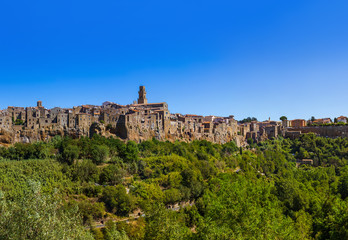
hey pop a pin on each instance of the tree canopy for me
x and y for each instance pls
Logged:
(65, 187)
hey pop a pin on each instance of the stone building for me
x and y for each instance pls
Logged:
(322, 121)
(298, 123)
(5, 121)
(142, 95)
(342, 119)
(138, 121)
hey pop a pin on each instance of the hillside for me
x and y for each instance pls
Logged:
(104, 188)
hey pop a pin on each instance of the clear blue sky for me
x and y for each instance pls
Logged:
(247, 58)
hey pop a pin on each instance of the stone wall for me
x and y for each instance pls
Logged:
(324, 131)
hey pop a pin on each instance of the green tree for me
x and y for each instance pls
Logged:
(193, 180)
(112, 175)
(117, 200)
(39, 216)
(70, 154)
(111, 232)
(130, 153)
(19, 122)
(147, 191)
(248, 119)
(172, 196)
(89, 210)
(99, 154)
(235, 207)
(343, 186)
(165, 224)
(85, 171)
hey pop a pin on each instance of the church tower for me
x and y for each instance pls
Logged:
(142, 95)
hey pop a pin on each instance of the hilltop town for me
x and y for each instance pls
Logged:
(142, 121)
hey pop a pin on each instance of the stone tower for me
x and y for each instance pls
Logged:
(39, 103)
(142, 95)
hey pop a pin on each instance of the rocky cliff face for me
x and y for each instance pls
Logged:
(30, 136)
(126, 132)
(138, 134)
(6, 137)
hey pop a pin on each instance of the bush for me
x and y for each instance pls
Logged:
(99, 154)
(39, 216)
(85, 171)
(112, 175)
(70, 154)
(117, 200)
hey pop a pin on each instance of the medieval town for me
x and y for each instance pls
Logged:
(142, 121)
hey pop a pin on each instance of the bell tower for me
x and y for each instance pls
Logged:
(142, 95)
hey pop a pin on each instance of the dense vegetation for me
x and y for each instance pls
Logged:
(61, 189)
(248, 119)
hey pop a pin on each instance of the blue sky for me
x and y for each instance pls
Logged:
(246, 58)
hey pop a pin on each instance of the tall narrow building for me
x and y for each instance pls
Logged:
(142, 95)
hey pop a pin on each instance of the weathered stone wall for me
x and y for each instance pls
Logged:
(324, 131)
(140, 121)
